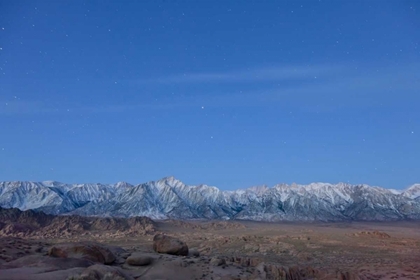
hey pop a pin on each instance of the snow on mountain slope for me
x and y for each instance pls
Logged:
(31, 195)
(412, 192)
(170, 198)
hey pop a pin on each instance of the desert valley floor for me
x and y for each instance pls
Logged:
(217, 249)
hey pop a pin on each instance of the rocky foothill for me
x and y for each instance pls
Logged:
(206, 225)
(38, 225)
(374, 233)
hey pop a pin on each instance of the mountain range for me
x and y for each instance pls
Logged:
(169, 198)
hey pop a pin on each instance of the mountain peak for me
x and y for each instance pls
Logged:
(258, 189)
(414, 187)
(170, 179)
(412, 192)
(51, 183)
(122, 184)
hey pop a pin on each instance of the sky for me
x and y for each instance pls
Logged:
(231, 94)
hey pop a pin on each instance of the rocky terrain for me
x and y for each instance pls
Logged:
(171, 249)
(38, 225)
(169, 198)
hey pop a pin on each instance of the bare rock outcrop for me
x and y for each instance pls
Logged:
(193, 252)
(169, 245)
(48, 262)
(86, 250)
(37, 267)
(273, 271)
(17, 229)
(103, 272)
(17, 223)
(375, 233)
(217, 261)
(138, 259)
(217, 225)
(245, 261)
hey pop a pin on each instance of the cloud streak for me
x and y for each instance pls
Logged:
(13, 108)
(249, 75)
(335, 87)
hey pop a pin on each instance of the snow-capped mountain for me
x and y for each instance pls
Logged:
(413, 191)
(170, 198)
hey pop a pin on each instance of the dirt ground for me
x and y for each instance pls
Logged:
(383, 250)
(373, 250)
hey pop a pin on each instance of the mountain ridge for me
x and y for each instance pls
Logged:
(171, 198)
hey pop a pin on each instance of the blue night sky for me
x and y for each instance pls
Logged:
(225, 93)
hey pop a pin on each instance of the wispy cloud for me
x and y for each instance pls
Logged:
(335, 87)
(351, 87)
(17, 106)
(249, 75)
(20, 107)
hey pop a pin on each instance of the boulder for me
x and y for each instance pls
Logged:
(193, 252)
(169, 245)
(139, 260)
(216, 261)
(85, 250)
